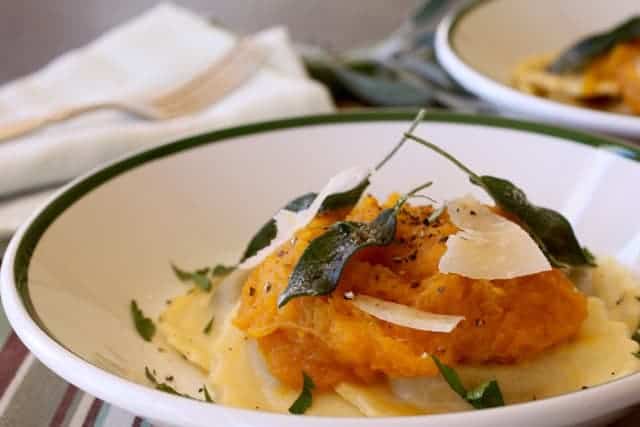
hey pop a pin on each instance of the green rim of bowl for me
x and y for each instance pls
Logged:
(84, 185)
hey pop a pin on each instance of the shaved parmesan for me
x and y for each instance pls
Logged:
(288, 222)
(406, 316)
(488, 246)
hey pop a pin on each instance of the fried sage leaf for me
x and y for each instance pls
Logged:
(269, 230)
(305, 399)
(322, 262)
(143, 324)
(578, 56)
(551, 231)
(486, 395)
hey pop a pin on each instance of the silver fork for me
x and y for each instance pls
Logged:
(204, 89)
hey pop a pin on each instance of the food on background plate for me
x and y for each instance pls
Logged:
(600, 71)
(347, 305)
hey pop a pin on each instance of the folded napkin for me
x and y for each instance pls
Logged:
(163, 47)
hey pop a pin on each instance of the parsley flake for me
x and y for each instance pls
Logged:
(200, 277)
(144, 325)
(207, 396)
(486, 395)
(303, 402)
(207, 328)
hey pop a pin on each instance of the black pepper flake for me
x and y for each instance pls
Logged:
(415, 285)
(613, 373)
(620, 300)
(440, 289)
(425, 221)
(267, 287)
(584, 387)
(472, 213)
(200, 390)
(479, 322)
(413, 255)
(169, 378)
(168, 302)
(252, 291)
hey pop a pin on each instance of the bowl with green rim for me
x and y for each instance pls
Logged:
(72, 269)
(482, 41)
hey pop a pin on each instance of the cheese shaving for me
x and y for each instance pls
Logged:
(488, 246)
(406, 316)
(288, 222)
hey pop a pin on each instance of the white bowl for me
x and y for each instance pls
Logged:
(71, 270)
(480, 43)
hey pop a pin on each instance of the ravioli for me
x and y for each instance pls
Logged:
(240, 376)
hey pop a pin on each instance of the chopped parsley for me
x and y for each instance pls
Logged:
(200, 277)
(144, 325)
(222, 270)
(207, 396)
(486, 395)
(162, 386)
(304, 400)
(207, 328)
(168, 389)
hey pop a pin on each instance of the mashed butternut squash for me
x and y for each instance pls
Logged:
(506, 321)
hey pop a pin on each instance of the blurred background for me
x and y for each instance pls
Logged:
(32, 32)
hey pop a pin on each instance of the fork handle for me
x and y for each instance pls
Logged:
(21, 127)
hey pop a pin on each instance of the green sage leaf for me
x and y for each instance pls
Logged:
(486, 395)
(549, 228)
(346, 198)
(269, 230)
(145, 327)
(578, 56)
(381, 90)
(551, 231)
(305, 399)
(321, 264)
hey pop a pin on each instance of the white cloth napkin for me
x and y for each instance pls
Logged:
(164, 46)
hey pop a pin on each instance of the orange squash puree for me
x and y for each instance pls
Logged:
(621, 65)
(331, 340)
